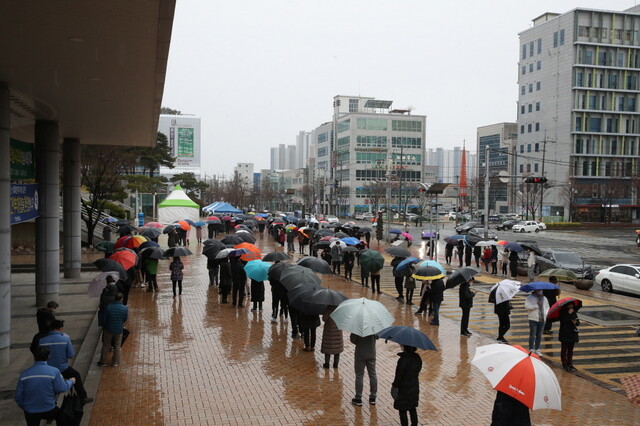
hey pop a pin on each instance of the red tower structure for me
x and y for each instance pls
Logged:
(462, 183)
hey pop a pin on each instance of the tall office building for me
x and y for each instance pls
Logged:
(302, 148)
(501, 139)
(245, 173)
(578, 122)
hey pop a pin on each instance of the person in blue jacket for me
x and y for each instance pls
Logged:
(117, 315)
(61, 349)
(37, 389)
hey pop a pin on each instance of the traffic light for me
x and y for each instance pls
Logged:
(535, 179)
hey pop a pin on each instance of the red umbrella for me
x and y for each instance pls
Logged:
(135, 241)
(126, 258)
(227, 218)
(253, 254)
(556, 308)
(214, 218)
(328, 238)
(153, 225)
(121, 242)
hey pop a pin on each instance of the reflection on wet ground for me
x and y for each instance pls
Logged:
(192, 360)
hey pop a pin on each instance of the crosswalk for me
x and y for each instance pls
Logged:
(604, 354)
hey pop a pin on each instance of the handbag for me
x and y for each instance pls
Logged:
(71, 408)
(125, 334)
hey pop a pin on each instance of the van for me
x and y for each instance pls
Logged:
(511, 216)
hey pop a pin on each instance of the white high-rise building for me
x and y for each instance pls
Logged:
(578, 112)
(245, 172)
(183, 134)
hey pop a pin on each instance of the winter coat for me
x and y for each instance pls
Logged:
(508, 411)
(466, 296)
(503, 308)
(44, 316)
(436, 290)
(409, 282)
(117, 315)
(394, 264)
(332, 341)
(486, 255)
(257, 291)
(308, 321)
(172, 239)
(365, 346)
(176, 270)
(531, 305)
(225, 277)
(406, 381)
(336, 253)
(568, 328)
(107, 297)
(238, 274)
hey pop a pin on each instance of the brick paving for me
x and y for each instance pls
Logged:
(191, 360)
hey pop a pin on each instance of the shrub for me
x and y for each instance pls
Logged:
(115, 210)
(564, 225)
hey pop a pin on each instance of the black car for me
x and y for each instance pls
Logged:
(477, 234)
(506, 225)
(466, 227)
(564, 259)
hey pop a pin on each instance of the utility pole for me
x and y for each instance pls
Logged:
(486, 192)
(544, 154)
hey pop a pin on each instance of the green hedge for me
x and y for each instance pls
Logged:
(116, 210)
(564, 225)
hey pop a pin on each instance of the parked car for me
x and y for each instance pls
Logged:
(358, 216)
(621, 277)
(331, 218)
(466, 227)
(511, 216)
(367, 216)
(528, 226)
(478, 234)
(565, 259)
(506, 225)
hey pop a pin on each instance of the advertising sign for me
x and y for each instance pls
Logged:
(24, 202)
(22, 167)
(185, 142)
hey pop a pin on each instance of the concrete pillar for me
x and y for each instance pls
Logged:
(71, 207)
(5, 229)
(47, 152)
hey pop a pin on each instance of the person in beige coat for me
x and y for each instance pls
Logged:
(332, 342)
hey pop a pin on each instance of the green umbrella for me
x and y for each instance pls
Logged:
(560, 274)
(105, 246)
(371, 260)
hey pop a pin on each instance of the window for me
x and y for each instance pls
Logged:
(530, 48)
(521, 168)
(371, 141)
(323, 151)
(592, 102)
(531, 67)
(539, 65)
(538, 85)
(583, 31)
(578, 124)
(594, 124)
(588, 57)
(524, 52)
(578, 146)
(631, 82)
(397, 142)
(537, 106)
(561, 37)
(371, 157)
(555, 39)
(529, 130)
(522, 109)
(344, 142)
(523, 90)
(621, 59)
(528, 147)
(521, 147)
(524, 69)
(537, 128)
(323, 137)
(537, 147)
(522, 129)
(579, 79)
(344, 125)
(530, 87)
(530, 107)
(535, 167)
(353, 105)
(372, 124)
(602, 58)
(371, 174)
(406, 126)
(613, 81)
(539, 46)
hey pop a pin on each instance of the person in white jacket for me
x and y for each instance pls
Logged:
(537, 308)
(531, 264)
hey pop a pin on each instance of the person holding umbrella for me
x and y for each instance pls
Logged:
(513, 263)
(552, 298)
(409, 283)
(257, 294)
(466, 303)
(405, 389)
(460, 250)
(398, 277)
(568, 335)
(504, 260)
(435, 295)
(336, 258)
(365, 357)
(224, 286)
(349, 261)
(508, 411)
(448, 253)
(176, 267)
(239, 280)
(537, 307)
(332, 342)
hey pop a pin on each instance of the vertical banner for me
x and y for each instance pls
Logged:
(185, 142)
(24, 202)
(22, 164)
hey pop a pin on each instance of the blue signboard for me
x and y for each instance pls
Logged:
(24, 202)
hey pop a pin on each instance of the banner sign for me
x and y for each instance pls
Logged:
(22, 164)
(185, 142)
(24, 202)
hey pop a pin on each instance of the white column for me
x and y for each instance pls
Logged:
(5, 229)
(47, 149)
(71, 208)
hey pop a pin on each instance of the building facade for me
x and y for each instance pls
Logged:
(501, 139)
(578, 121)
(183, 134)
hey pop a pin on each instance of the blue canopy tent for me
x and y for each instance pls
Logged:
(221, 207)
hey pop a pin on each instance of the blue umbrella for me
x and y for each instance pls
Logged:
(257, 270)
(514, 247)
(108, 219)
(454, 238)
(199, 224)
(148, 244)
(351, 241)
(395, 231)
(433, 263)
(190, 222)
(262, 215)
(407, 336)
(538, 285)
(405, 263)
(291, 219)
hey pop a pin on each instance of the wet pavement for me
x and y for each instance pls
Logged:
(192, 360)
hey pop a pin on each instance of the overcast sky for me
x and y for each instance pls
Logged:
(257, 72)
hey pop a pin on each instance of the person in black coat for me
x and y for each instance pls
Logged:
(238, 280)
(508, 411)
(308, 325)
(503, 311)
(398, 277)
(406, 385)
(568, 335)
(477, 252)
(460, 252)
(552, 298)
(468, 252)
(213, 266)
(448, 253)
(436, 296)
(466, 303)
(513, 263)
(224, 285)
(494, 260)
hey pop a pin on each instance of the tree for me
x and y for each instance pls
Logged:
(192, 186)
(375, 191)
(145, 184)
(150, 159)
(101, 171)
(169, 111)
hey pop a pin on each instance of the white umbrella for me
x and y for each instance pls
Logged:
(338, 242)
(362, 316)
(505, 290)
(519, 374)
(99, 282)
(486, 243)
(313, 220)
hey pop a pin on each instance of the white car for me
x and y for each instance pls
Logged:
(367, 216)
(622, 277)
(529, 226)
(331, 218)
(358, 216)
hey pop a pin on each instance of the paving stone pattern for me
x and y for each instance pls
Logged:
(190, 360)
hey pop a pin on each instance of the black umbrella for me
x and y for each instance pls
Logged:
(212, 241)
(276, 270)
(531, 246)
(300, 292)
(315, 264)
(232, 240)
(250, 223)
(341, 235)
(213, 248)
(321, 245)
(276, 256)
(107, 265)
(122, 222)
(365, 229)
(177, 252)
(297, 274)
(349, 249)
(333, 225)
(324, 232)
(326, 296)
(398, 251)
(461, 275)
(152, 253)
(168, 229)
(151, 233)
(246, 237)
(126, 229)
